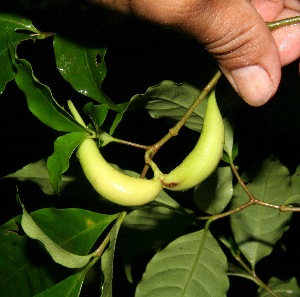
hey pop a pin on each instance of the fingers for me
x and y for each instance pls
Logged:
(288, 38)
(236, 35)
(234, 32)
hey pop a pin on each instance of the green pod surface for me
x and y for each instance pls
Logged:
(206, 155)
(107, 181)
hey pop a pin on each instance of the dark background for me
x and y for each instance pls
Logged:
(141, 55)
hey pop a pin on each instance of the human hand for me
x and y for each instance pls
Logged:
(235, 33)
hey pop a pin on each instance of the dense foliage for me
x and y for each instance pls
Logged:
(233, 235)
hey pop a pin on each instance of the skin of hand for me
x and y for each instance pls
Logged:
(234, 32)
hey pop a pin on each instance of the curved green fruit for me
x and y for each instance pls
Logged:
(205, 156)
(109, 182)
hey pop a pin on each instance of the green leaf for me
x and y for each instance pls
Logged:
(23, 263)
(257, 228)
(239, 272)
(40, 100)
(186, 268)
(58, 162)
(107, 259)
(230, 147)
(282, 288)
(73, 229)
(295, 179)
(118, 117)
(97, 113)
(65, 232)
(9, 24)
(150, 226)
(37, 173)
(83, 67)
(171, 100)
(58, 254)
(70, 287)
(214, 194)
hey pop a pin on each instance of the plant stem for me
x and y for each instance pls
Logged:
(283, 23)
(251, 272)
(100, 250)
(137, 145)
(252, 201)
(174, 130)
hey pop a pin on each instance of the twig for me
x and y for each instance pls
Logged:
(149, 154)
(283, 23)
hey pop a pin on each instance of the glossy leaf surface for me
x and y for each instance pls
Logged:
(9, 24)
(50, 225)
(58, 162)
(40, 100)
(83, 67)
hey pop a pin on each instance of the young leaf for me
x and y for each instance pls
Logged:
(171, 100)
(58, 162)
(9, 24)
(83, 67)
(107, 259)
(282, 288)
(118, 117)
(97, 113)
(213, 194)
(40, 100)
(186, 268)
(257, 228)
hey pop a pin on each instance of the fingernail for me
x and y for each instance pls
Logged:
(253, 84)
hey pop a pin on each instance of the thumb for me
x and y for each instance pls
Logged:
(236, 35)
(232, 31)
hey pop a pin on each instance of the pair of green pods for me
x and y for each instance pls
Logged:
(132, 191)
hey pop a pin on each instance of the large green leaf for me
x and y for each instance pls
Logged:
(9, 24)
(282, 288)
(83, 67)
(23, 264)
(58, 162)
(186, 268)
(214, 193)
(40, 100)
(257, 228)
(171, 100)
(75, 230)
(57, 253)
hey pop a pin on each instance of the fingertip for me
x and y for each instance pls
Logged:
(254, 84)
